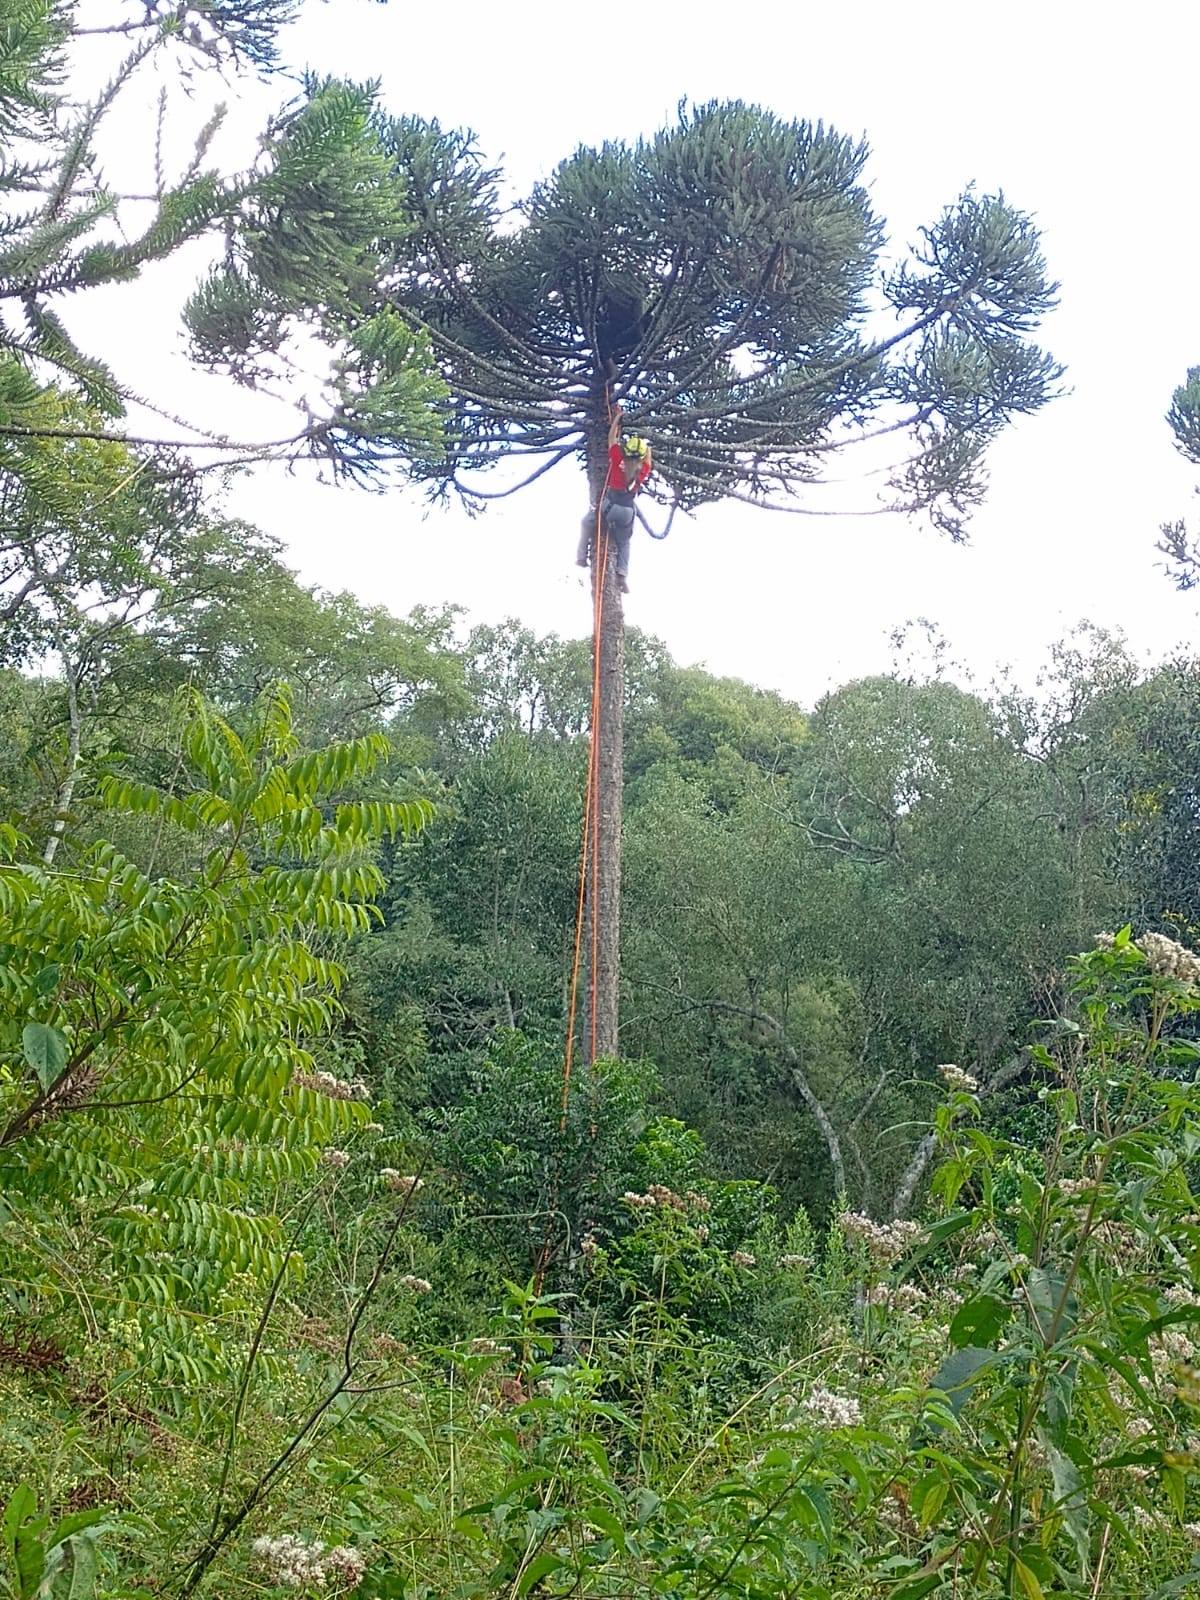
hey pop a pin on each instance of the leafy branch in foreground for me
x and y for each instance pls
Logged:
(176, 1021)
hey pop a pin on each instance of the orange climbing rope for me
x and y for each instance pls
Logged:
(589, 855)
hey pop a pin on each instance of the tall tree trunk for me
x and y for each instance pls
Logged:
(602, 927)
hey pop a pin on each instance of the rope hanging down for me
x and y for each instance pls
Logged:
(588, 862)
(587, 907)
(589, 851)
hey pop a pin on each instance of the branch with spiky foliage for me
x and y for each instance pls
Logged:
(307, 233)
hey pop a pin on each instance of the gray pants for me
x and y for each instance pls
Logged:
(618, 522)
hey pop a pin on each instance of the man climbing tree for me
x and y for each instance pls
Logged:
(630, 463)
(738, 252)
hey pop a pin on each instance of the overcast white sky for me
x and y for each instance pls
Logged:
(1087, 123)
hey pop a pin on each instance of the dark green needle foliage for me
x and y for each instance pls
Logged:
(724, 279)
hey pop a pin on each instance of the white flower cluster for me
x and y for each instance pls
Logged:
(795, 1261)
(901, 1297)
(1072, 1188)
(743, 1258)
(832, 1410)
(333, 1088)
(1119, 1238)
(1166, 959)
(955, 1078)
(658, 1196)
(301, 1563)
(1169, 1348)
(1179, 1294)
(415, 1284)
(885, 1242)
(337, 1159)
(398, 1183)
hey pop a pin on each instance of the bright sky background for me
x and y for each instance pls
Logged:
(1088, 123)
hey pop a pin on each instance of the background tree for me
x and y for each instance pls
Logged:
(304, 232)
(1178, 544)
(719, 280)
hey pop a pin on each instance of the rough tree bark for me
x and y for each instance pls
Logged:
(602, 926)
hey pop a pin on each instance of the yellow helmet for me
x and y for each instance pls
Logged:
(634, 445)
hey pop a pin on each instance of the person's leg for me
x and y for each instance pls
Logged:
(621, 550)
(587, 527)
(618, 520)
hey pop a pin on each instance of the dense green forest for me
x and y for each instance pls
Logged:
(868, 1265)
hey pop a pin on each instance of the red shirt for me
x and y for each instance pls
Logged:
(616, 471)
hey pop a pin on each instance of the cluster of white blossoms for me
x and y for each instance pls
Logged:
(795, 1261)
(302, 1563)
(414, 1284)
(885, 1242)
(899, 1297)
(1072, 1188)
(337, 1159)
(743, 1258)
(955, 1078)
(399, 1183)
(1118, 1239)
(1170, 1348)
(332, 1087)
(1164, 957)
(1167, 959)
(658, 1196)
(831, 1410)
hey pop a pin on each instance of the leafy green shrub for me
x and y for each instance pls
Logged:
(160, 1100)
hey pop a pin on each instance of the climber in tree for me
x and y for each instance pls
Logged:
(629, 465)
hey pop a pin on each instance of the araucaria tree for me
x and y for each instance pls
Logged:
(722, 282)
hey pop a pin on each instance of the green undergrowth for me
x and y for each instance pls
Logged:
(997, 1399)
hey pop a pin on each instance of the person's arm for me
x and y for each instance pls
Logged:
(647, 465)
(614, 426)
